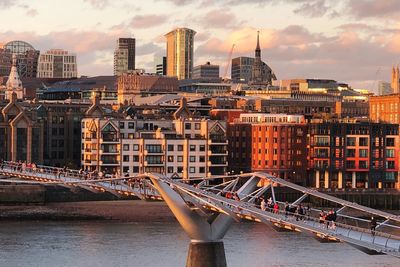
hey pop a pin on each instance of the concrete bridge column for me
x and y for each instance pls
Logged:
(326, 179)
(340, 179)
(353, 179)
(317, 179)
(206, 248)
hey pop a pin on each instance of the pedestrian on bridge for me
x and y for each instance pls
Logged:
(373, 226)
(263, 204)
(276, 208)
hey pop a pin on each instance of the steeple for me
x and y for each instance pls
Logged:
(14, 81)
(258, 49)
(14, 84)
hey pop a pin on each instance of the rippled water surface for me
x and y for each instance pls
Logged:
(165, 244)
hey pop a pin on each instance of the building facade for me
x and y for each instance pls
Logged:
(131, 85)
(384, 88)
(354, 155)
(272, 143)
(160, 64)
(27, 59)
(57, 63)
(180, 45)
(395, 80)
(206, 71)
(385, 108)
(124, 55)
(180, 148)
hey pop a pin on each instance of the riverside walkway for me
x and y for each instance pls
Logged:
(206, 198)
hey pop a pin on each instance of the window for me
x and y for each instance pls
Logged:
(351, 141)
(188, 126)
(350, 164)
(202, 159)
(202, 148)
(60, 143)
(153, 148)
(192, 148)
(54, 119)
(121, 125)
(170, 147)
(170, 169)
(390, 164)
(180, 170)
(363, 141)
(389, 141)
(61, 119)
(363, 153)
(61, 131)
(126, 147)
(53, 143)
(390, 153)
(197, 126)
(54, 131)
(125, 158)
(125, 169)
(363, 164)
(170, 158)
(350, 153)
(192, 169)
(135, 147)
(135, 158)
(180, 158)
(131, 125)
(202, 170)
(135, 169)
(192, 158)
(61, 154)
(180, 147)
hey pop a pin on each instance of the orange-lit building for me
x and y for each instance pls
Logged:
(385, 108)
(273, 143)
(353, 155)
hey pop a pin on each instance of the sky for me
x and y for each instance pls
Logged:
(351, 41)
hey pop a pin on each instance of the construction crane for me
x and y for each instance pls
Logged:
(225, 77)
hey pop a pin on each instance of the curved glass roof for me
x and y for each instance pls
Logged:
(18, 47)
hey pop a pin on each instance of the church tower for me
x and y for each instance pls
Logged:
(257, 73)
(14, 84)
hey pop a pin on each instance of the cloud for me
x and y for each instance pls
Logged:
(374, 8)
(149, 48)
(147, 21)
(100, 4)
(220, 18)
(316, 8)
(7, 3)
(31, 12)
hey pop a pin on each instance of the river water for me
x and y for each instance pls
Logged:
(165, 244)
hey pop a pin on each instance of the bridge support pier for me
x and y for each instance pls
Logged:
(206, 254)
(206, 232)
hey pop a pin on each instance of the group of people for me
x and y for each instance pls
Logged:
(329, 218)
(18, 166)
(269, 204)
(231, 195)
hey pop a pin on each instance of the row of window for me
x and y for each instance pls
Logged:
(160, 160)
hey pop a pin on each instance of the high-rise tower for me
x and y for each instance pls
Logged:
(180, 53)
(124, 55)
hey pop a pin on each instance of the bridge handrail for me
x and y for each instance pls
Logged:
(239, 205)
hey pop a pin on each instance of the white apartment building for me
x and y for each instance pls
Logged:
(57, 63)
(184, 148)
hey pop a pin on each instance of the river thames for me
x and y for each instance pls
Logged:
(165, 244)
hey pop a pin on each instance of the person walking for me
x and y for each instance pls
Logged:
(373, 226)
(263, 204)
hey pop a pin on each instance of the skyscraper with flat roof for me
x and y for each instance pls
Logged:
(180, 53)
(124, 55)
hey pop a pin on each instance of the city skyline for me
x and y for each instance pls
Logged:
(351, 41)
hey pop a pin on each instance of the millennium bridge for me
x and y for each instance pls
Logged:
(205, 213)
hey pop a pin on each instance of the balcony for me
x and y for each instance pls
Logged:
(108, 151)
(109, 162)
(153, 152)
(110, 140)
